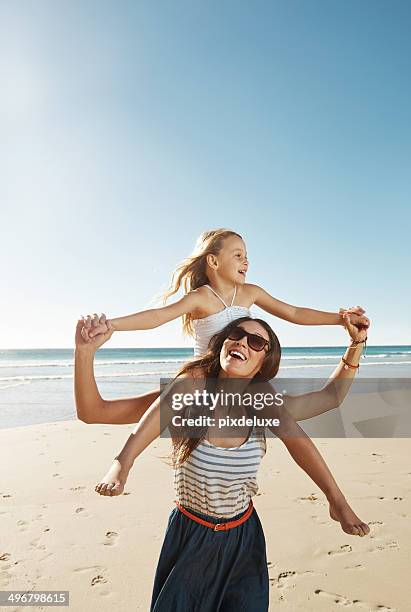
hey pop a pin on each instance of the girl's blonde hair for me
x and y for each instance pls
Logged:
(191, 272)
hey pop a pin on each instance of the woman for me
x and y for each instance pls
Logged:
(213, 557)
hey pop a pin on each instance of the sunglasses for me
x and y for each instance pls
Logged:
(255, 342)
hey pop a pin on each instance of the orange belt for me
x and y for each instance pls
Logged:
(218, 526)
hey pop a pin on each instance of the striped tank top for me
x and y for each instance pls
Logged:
(220, 481)
(208, 326)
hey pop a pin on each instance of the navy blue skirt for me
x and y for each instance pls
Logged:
(211, 571)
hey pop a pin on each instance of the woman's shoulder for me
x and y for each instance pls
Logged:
(186, 382)
(195, 372)
(194, 378)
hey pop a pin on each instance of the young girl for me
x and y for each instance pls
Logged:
(214, 275)
(213, 557)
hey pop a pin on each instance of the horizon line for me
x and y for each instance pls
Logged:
(63, 348)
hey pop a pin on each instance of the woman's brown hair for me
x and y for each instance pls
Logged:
(210, 364)
(191, 273)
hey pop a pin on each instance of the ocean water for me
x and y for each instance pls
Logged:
(36, 385)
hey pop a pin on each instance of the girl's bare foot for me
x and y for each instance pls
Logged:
(114, 481)
(340, 511)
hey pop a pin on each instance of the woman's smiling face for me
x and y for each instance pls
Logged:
(237, 359)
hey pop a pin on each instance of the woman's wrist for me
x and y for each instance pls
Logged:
(84, 351)
(352, 356)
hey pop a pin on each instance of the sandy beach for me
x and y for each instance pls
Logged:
(57, 533)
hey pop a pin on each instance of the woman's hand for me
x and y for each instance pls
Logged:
(356, 334)
(94, 325)
(358, 319)
(90, 343)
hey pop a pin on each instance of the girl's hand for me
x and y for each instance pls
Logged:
(94, 325)
(358, 335)
(91, 343)
(357, 316)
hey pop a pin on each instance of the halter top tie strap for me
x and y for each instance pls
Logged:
(220, 298)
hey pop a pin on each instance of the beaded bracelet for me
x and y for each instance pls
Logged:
(353, 344)
(349, 365)
(357, 342)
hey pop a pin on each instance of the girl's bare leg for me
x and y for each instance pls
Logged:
(350, 523)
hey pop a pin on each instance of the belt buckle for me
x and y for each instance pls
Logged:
(218, 525)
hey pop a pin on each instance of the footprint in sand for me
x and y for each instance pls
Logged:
(376, 525)
(82, 512)
(386, 546)
(90, 568)
(22, 525)
(313, 499)
(5, 556)
(77, 488)
(345, 601)
(345, 548)
(282, 579)
(111, 538)
(99, 579)
(379, 458)
(286, 579)
(5, 576)
(35, 544)
(319, 521)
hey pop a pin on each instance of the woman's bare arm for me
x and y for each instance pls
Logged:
(150, 426)
(308, 405)
(90, 406)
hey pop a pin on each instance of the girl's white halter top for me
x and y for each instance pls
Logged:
(208, 326)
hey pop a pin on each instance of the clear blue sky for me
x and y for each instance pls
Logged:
(129, 128)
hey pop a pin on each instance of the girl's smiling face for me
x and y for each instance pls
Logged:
(232, 262)
(237, 359)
